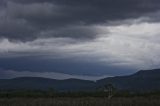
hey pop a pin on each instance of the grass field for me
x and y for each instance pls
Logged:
(86, 101)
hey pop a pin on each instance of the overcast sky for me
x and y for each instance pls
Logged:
(78, 37)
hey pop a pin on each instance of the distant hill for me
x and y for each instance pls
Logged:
(39, 83)
(145, 80)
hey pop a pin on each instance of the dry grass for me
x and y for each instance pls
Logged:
(86, 101)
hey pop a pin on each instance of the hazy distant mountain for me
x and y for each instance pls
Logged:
(141, 81)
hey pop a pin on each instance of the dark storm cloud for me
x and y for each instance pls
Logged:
(30, 19)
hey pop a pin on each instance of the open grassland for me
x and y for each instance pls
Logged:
(84, 101)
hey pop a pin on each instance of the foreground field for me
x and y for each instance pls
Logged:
(86, 101)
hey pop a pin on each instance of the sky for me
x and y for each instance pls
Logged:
(86, 39)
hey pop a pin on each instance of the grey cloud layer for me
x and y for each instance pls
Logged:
(121, 45)
(80, 36)
(31, 19)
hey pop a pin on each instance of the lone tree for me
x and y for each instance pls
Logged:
(109, 89)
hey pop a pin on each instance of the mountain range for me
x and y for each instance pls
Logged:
(144, 80)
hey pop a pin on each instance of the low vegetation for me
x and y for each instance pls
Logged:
(83, 101)
(97, 98)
